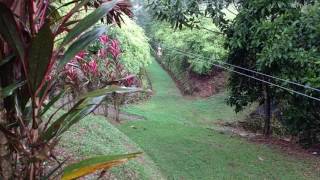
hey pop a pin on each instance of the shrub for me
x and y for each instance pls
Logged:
(195, 41)
(134, 44)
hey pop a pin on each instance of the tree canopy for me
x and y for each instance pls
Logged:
(278, 38)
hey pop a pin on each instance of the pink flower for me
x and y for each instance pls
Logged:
(81, 55)
(90, 68)
(104, 39)
(71, 74)
(93, 67)
(114, 49)
(85, 68)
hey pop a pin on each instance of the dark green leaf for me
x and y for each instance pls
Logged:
(85, 106)
(69, 23)
(111, 89)
(53, 14)
(6, 60)
(81, 44)
(7, 91)
(83, 110)
(9, 30)
(89, 21)
(40, 55)
(51, 103)
(74, 115)
(56, 125)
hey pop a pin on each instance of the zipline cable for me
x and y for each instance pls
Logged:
(243, 74)
(249, 70)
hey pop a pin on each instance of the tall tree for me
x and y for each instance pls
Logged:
(277, 38)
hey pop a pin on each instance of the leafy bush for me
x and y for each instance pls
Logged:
(198, 41)
(285, 46)
(134, 44)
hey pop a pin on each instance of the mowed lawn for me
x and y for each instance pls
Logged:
(178, 135)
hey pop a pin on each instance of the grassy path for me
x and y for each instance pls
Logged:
(94, 135)
(177, 134)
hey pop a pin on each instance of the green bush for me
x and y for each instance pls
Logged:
(285, 46)
(197, 41)
(134, 45)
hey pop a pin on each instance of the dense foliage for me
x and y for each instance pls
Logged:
(97, 66)
(134, 44)
(276, 37)
(197, 41)
(171, 44)
(282, 41)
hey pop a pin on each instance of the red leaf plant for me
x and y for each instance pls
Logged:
(37, 43)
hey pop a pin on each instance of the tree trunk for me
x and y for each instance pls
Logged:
(116, 106)
(267, 106)
(106, 109)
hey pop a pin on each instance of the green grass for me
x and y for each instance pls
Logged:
(178, 135)
(94, 135)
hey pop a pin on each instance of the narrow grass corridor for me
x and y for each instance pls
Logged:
(178, 134)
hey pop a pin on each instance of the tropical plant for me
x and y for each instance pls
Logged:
(98, 66)
(30, 61)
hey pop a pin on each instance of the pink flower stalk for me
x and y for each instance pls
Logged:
(93, 67)
(81, 55)
(104, 39)
(114, 49)
(85, 68)
(90, 68)
(71, 74)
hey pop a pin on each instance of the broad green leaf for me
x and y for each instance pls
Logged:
(94, 164)
(40, 55)
(84, 110)
(72, 11)
(81, 44)
(89, 21)
(56, 125)
(111, 89)
(85, 106)
(69, 23)
(51, 103)
(53, 14)
(9, 30)
(80, 110)
(8, 91)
